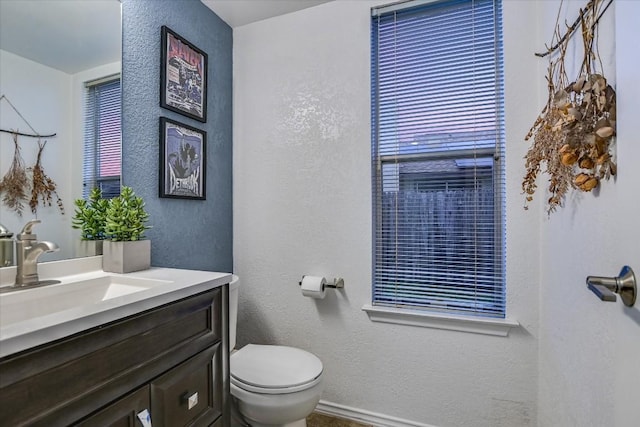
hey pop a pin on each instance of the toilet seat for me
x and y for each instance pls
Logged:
(274, 369)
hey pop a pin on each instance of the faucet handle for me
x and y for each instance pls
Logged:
(26, 230)
(4, 232)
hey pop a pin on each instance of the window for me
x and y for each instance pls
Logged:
(102, 137)
(438, 154)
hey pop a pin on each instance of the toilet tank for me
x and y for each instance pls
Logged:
(234, 286)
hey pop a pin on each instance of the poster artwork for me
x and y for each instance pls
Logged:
(184, 162)
(185, 77)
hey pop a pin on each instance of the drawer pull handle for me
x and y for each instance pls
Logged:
(191, 400)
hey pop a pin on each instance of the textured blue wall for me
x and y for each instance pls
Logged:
(192, 234)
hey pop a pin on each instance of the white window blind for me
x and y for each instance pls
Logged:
(102, 137)
(437, 153)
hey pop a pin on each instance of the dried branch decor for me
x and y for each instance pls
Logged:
(573, 133)
(43, 187)
(14, 186)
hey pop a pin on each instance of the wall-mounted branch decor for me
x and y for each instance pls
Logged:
(15, 132)
(15, 185)
(573, 134)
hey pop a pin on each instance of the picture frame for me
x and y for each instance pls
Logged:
(183, 76)
(183, 161)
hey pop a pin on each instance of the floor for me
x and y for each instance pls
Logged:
(318, 420)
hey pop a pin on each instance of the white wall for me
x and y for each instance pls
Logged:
(589, 350)
(43, 97)
(302, 205)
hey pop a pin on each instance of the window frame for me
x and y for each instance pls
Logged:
(421, 315)
(91, 164)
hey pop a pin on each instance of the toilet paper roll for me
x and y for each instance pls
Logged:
(313, 287)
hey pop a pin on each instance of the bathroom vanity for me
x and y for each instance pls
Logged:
(161, 351)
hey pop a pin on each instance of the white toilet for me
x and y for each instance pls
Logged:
(272, 385)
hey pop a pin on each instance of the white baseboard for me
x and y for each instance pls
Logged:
(366, 417)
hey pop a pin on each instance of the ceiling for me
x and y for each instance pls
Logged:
(65, 34)
(62, 34)
(241, 12)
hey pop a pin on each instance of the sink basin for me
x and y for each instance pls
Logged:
(21, 305)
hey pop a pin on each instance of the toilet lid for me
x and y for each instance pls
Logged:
(272, 368)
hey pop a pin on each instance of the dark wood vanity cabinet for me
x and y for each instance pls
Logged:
(170, 360)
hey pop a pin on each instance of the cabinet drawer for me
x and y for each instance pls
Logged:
(122, 413)
(189, 395)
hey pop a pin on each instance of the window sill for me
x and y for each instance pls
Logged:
(475, 325)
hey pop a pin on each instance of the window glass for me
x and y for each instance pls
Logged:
(437, 153)
(102, 137)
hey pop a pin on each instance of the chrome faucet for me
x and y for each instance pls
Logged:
(28, 250)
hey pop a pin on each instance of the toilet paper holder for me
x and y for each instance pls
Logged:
(338, 282)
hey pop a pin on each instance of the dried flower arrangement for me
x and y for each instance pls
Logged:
(573, 133)
(14, 186)
(42, 187)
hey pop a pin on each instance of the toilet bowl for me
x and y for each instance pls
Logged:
(272, 385)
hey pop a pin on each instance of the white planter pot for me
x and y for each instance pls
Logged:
(88, 248)
(126, 257)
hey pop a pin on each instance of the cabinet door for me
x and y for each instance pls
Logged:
(123, 413)
(189, 394)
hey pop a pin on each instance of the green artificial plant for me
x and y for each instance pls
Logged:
(89, 216)
(126, 217)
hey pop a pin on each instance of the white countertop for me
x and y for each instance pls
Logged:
(178, 284)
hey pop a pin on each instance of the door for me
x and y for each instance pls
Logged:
(625, 216)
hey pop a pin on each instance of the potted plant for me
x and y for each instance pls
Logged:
(125, 249)
(89, 218)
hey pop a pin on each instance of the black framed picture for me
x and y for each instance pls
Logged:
(183, 76)
(183, 161)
